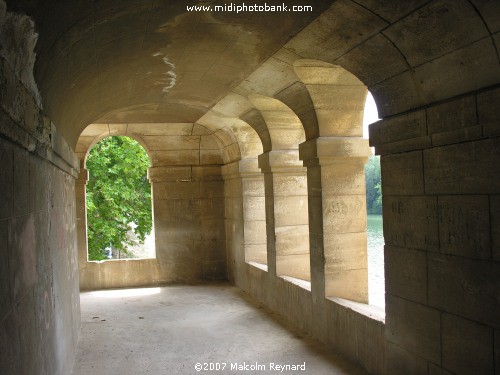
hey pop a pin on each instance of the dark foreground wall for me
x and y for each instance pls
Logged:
(39, 296)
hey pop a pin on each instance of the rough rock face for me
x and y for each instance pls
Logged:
(18, 38)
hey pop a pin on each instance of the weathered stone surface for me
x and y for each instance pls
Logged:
(349, 14)
(467, 346)
(338, 95)
(294, 265)
(178, 157)
(392, 10)
(414, 327)
(10, 341)
(340, 178)
(368, 52)
(170, 173)
(6, 287)
(406, 273)
(171, 142)
(454, 66)
(344, 214)
(406, 145)
(290, 210)
(497, 348)
(347, 327)
(256, 253)
(176, 190)
(348, 284)
(465, 168)
(253, 208)
(436, 370)
(292, 239)
(334, 150)
(214, 156)
(411, 125)
(395, 95)
(176, 252)
(464, 287)
(486, 106)
(6, 180)
(488, 9)
(464, 225)
(206, 172)
(255, 231)
(215, 270)
(344, 251)
(402, 174)
(495, 226)
(289, 184)
(460, 135)
(421, 45)
(459, 113)
(253, 186)
(400, 361)
(413, 222)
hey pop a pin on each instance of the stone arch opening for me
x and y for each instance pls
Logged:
(285, 180)
(188, 204)
(119, 201)
(374, 221)
(335, 158)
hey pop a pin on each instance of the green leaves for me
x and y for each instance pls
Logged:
(373, 186)
(118, 193)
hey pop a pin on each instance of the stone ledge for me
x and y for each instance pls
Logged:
(370, 311)
(260, 266)
(299, 282)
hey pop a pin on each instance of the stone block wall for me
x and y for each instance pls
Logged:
(188, 208)
(440, 199)
(189, 225)
(39, 296)
(353, 329)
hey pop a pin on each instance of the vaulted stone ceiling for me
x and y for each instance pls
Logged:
(121, 61)
(111, 61)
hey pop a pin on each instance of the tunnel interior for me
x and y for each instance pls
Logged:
(257, 167)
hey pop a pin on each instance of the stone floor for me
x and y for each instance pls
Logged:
(169, 330)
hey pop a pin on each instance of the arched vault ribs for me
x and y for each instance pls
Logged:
(336, 181)
(285, 189)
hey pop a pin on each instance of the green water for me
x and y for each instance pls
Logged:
(375, 238)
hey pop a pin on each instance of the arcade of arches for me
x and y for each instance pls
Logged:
(257, 168)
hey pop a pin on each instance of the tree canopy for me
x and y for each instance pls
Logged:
(118, 194)
(373, 186)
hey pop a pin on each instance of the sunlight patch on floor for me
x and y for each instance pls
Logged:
(119, 293)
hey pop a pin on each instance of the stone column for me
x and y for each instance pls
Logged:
(286, 214)
(337, 212)
(81, 218)
(245, 213)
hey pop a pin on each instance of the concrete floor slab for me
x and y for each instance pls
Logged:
(169, 330)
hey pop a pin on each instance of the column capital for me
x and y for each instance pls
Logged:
(83, 176)
(241, 168)
(334, 150)
(280, 161)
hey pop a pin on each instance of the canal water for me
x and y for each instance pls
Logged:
(375, 237)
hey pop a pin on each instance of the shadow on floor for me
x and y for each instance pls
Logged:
(171, 330)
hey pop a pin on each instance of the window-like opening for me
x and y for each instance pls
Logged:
(374, 232)
(118, 200)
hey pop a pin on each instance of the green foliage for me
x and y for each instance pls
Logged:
(373, 186)
(118, 193)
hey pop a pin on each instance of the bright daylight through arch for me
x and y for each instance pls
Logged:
(118, 201)
(374, 231)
